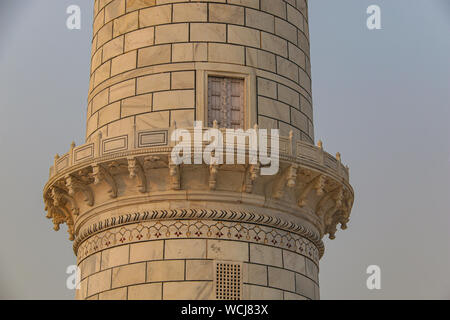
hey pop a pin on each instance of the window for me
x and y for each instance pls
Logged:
(226, 102)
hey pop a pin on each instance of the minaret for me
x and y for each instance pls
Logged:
(144, 227)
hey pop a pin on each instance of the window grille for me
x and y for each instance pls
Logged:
(226, 102)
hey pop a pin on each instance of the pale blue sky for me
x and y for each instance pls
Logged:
(381, 98)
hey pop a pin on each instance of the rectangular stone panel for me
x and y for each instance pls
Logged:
(115, 144)
(226, 14)
(90, 265)
(256, 274)
(167, 270)
(62, 162)
(190, 12)
(176, 249)
(227, 250)
(152, 138)
(304, 286)
(172, 33)
(294, 261)
(128, 275)
(154, 55)
(178, 99)
(99, 282)
(135, 105)
(145, 251)
(116, 294)
(115, 257)
(266, 255)
(140, 38)
(262, 293)
(125, 24)
(199, 270)
(281, 279)
(188, 290)
(155, 15)
(148, 291)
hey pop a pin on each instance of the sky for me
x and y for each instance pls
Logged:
(381, 98)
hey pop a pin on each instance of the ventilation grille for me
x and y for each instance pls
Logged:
(228, 281)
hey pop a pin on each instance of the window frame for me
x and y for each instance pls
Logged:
(249, 107)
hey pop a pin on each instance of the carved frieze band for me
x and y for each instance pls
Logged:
(155, 229)
(200, 214)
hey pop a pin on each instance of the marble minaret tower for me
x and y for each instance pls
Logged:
(144, 227)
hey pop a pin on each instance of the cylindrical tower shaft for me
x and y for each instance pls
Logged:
(151, 61)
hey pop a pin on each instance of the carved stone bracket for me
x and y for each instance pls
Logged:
(174, 176)
(60, 216)
(135, 169)
(338, 198)
(338, 212)
(60, 198)
(101, 174)
(287, 179)
(252, 173)
(213, 170)
(332, 219)
(55, 205)
(73, 185)
(318, 184)
(347, 208)
(335, 195)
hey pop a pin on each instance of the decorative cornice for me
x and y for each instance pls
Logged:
(310, 180)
